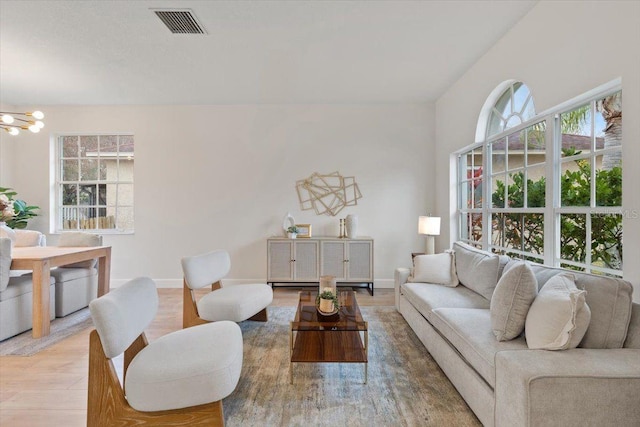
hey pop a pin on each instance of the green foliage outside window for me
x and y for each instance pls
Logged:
(524, 231)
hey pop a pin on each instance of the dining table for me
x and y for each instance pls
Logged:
(41, 259)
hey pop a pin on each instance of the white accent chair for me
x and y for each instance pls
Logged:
(235, 303)
(76, 284)
(179, 379)
(16, 296)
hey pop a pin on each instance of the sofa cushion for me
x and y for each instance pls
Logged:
(439, 269)
(559, 316)
(609, 300)
(633, 335)
(5, 262)
(18, 285)
(426, 297)
(63, 274)
(469, 331)
(186, 368)
(478, 270)
(514, 293)
(29, 238)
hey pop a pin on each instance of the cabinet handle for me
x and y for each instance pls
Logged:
(345, 260)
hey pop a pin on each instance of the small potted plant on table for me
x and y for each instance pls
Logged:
(327, 303)
(292, 232)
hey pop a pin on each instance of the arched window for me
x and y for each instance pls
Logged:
(514, 106)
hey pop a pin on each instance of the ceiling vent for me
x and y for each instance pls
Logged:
(180, 21)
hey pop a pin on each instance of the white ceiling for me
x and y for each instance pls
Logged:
(284, 52)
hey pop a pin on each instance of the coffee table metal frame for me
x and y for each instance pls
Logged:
(341, 338)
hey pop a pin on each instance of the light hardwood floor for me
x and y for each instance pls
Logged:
(50, 388)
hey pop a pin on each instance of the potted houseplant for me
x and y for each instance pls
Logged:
(327, 302)
(15, 212)
(292, 232)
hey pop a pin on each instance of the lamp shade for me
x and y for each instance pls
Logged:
(429, 225)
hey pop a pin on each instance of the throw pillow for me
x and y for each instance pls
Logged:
(477, 270)
(559, 316)
(439, 269)
(514, 293)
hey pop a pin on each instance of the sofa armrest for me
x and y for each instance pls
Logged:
(400, 276)
(567, 388)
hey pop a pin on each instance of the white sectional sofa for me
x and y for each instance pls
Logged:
(504, 382)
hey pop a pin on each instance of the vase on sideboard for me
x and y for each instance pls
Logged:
(351, 226)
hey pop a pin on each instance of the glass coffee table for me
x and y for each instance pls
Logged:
(340, 338)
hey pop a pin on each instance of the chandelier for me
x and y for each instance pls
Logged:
(14, 122)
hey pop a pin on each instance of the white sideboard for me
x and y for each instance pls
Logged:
(304, 260)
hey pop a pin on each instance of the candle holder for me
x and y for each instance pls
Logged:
(328, 283)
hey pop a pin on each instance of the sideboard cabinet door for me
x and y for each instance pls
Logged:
(305, 260)
(280, 260)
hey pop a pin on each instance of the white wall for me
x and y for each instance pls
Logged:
(560, 49)
(210, 177)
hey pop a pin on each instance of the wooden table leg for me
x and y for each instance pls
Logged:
(41, 282)
(104, 273)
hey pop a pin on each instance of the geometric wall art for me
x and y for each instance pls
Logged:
(327, 194)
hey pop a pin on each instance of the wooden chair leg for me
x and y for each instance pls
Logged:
(260, 316)
(190, 315)
(107, 406)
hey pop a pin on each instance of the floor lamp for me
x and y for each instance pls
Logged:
(429, 226)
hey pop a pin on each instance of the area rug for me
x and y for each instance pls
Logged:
(61, 328)
(405, 387)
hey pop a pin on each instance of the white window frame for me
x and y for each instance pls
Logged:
(56, 225)
(553, 163)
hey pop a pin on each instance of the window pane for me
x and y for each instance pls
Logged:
(576, 131)
(516, 190)
(125, 169)
(69, 146)
(496, 124)
(124, 219)
(520, 231)
(108, 145)
(606, 240)
(125, 195)
(88, 195)
(536, 187)
(70, 170)
(499, 189)
(69, 216)
(536, 144)
(608, 122)
(88, 170)
(69, 194)
(125, 145)
(498, 159)
(88, 146)
(102, 170)
(573, 241)
(477, 162)
(608, 184)
(575, 183)
(476, 186)
(515, 153)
